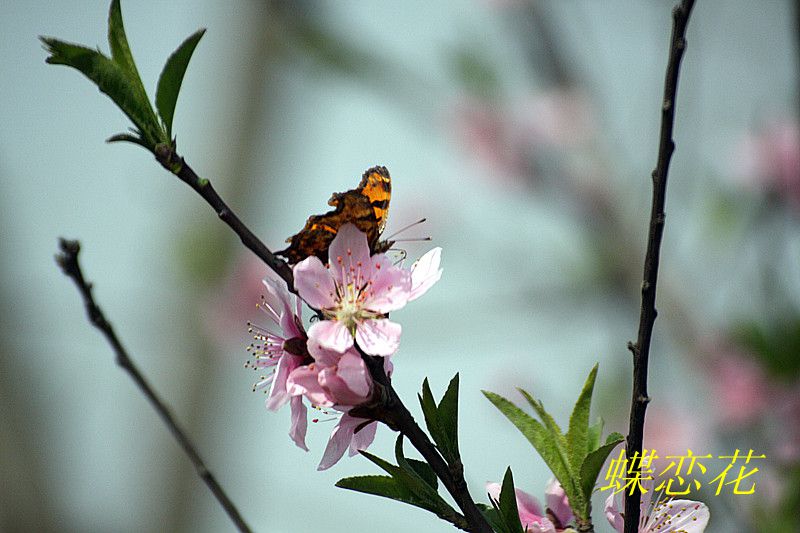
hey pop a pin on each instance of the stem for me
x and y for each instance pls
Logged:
(68, 261)
(641, 350)
(392, 412)
(174, 163)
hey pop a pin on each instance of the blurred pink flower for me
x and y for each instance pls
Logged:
(355, 291)
(224, 313)
(770, 159)
(514, 138)
(555, 518)
(661, 515)
(341, 382)
(739, 387)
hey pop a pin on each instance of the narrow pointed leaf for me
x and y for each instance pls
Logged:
(422, 484)
(425, 472)
(595, 434)
(118, 41)
(571, 483)
(541, 439)
(169, 83)
(385, 486)
(423, 494)
(578, 432)
(492, 515)
(594, 462)
(127, 137)
(448, 421)
(430, 411)
(389, 487)
(111, 79)
(549, 443)
(508, 504)
(122, 56)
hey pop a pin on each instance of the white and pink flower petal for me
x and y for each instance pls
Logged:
(556, 500)
(425, 272)
(278, 395)
(353, 372)
(314, 283)
(686, 516)
(348, 251)
(305, 381)
(378, 336)
(330, 335)
(363, 437)
(388, 287)
(299, 422)
(339, 441)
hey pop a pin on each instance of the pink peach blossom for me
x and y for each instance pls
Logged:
(341, 382)
(355, 291)
(280, 353)
(661, 515)
(530, 512)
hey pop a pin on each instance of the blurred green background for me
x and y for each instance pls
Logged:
(525, 131)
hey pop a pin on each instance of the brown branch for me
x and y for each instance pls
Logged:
(67, 259)
(641, 350)
(174, 163)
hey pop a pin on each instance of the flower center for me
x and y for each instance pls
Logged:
(350, 296)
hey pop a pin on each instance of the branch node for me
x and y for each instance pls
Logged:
(633, 348)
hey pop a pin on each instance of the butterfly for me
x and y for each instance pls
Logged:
(366, 206)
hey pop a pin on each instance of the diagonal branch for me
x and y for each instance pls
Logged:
(67, 259)
(174, 163)
(641, 350)
(391, 411)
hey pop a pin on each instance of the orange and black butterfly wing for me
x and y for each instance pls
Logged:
(366, 206)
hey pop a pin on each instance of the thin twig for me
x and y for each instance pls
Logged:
(174, 163)
(641, 350)
(391, 411)
(67, 259)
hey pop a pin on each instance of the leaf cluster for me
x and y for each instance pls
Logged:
(575, 458)
(117, 77)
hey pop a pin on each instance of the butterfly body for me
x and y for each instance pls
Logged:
(366, 206)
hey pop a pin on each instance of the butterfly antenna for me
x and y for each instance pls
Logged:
(413, 239)
(401, 230)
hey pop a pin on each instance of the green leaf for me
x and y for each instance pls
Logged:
(385, 486)
(112, 80)
(570, 483)
(492, 515)
(536, 433)
(169, 83)
(122, 56)
(448, 421)
(430, 411)
(442, 419)
(417, 469)
(578, 433)
(594, 462)
(595, 434)
(118, 41)
(425, 472)
(508, 504)
(418, 490)
(127, 137)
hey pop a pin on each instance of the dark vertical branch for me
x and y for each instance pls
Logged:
(68, 261)
(641, 350)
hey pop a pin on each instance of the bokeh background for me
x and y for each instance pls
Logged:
(525, 131)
